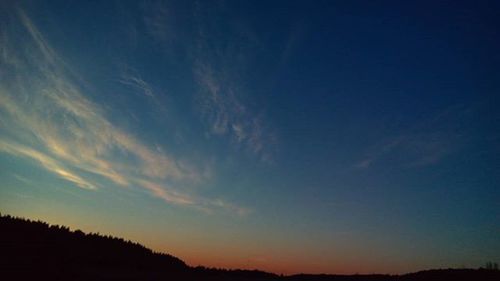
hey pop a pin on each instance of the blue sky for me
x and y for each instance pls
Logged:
(323, 136)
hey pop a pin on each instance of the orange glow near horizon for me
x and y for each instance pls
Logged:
(338, 138)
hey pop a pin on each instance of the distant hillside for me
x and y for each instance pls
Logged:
(34, 250)
(40, 249)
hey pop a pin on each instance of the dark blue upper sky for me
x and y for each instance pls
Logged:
(317, 136)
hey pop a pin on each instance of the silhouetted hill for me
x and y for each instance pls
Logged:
(35, 247)
(34, 250)
(452, 274)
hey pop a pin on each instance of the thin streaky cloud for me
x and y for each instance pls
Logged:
(226, 115)
(297, 33)
(37, 37)
(413, 150)
(218, 69)
(377, 152)
(131, 78)
(156, 20)
(23, 179)
(137, 83)
(45, 161)
(170, 195)
(52, 122)
(422, 144)
(166, 194)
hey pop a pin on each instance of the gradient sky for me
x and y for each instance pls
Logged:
(311, 136)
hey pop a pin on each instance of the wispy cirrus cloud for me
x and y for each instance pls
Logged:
(46, 117)
(157, 21)
(379, 151)
(227, 116)
(130, 78)
(138, 83)
(47, 162)
(426, 143)
(219, 68)
(297, 34)
(410, 150)
(205, 205)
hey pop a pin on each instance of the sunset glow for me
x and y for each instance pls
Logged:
(314, 136)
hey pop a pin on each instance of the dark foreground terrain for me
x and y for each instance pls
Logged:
(34, 250)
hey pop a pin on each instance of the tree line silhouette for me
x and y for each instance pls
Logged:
(35, 250)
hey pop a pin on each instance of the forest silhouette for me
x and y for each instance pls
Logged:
(35, 250)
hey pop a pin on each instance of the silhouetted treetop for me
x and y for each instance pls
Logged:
(35, 250)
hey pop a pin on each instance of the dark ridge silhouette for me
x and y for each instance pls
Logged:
(35, 250)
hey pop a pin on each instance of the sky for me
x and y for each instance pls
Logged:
(287, 136)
